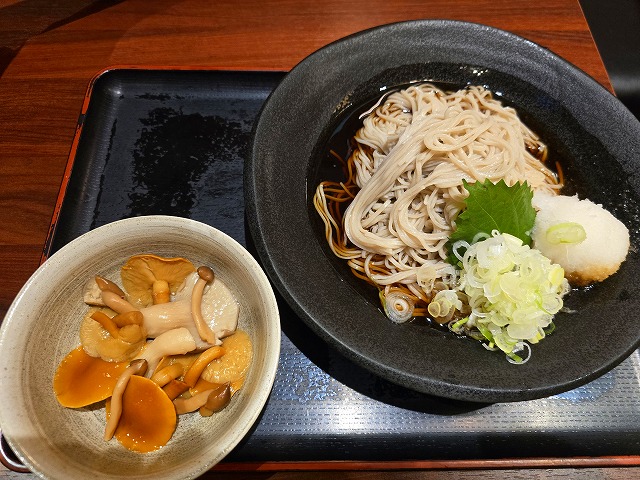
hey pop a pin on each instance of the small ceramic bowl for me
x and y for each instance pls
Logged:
(42, 326)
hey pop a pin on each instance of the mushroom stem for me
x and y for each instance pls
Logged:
(160, 292)
(205, 358)
(191, 404)
(168, 373)
(175, 388)
(174, 342)
(107, 323)
(206, 276)
(134, 317)
(136, 367)
(117, 303)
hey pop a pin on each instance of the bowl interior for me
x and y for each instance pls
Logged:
(42, 327)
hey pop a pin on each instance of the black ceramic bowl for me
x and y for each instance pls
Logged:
(588, 130)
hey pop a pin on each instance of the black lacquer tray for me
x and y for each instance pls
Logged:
(156, 141)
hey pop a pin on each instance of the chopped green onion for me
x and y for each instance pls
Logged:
(512, 357)
(486, 333)
(568, 233)
(397, 306)
(455, 326)
(550, 329)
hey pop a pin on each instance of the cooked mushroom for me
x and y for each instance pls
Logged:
(217, 400)
(218, 306)
(102, 337)
(233, 366)
(93, 291)
(133, 317)
(205, 358)
(175, 388)
(106, 322)
(137, 367)
(150, 279)
(192, 403)
(208, 401)
(166, 374)
(148, 417)
(218, 310)
(106, 285)
(205, 276)
(82, 380)
(174, 342)
(117, 303)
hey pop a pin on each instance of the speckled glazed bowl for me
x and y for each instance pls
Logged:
(42, 325)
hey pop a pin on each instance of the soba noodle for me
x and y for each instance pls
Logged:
(405, 186)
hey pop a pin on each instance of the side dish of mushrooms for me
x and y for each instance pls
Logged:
(164, 344)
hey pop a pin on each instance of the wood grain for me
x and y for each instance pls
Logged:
(49, 52)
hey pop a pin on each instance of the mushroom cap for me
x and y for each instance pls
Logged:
(141, 271)
(82, 380)
(98, 342)
(148, 417)
(234, 364)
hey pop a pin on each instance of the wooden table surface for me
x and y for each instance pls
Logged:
(49, 51)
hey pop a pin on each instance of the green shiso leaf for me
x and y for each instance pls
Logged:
(492, 207)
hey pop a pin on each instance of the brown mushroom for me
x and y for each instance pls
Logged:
(117, 303)
(206, 276)
(147, 276)
(106, 285)
(191, 403)
(217, 400)
(207, 402)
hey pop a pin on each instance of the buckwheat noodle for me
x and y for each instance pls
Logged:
(404, 185)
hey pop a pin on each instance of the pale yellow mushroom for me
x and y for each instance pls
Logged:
(160, 292)
(149, 279)
(101, 337)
